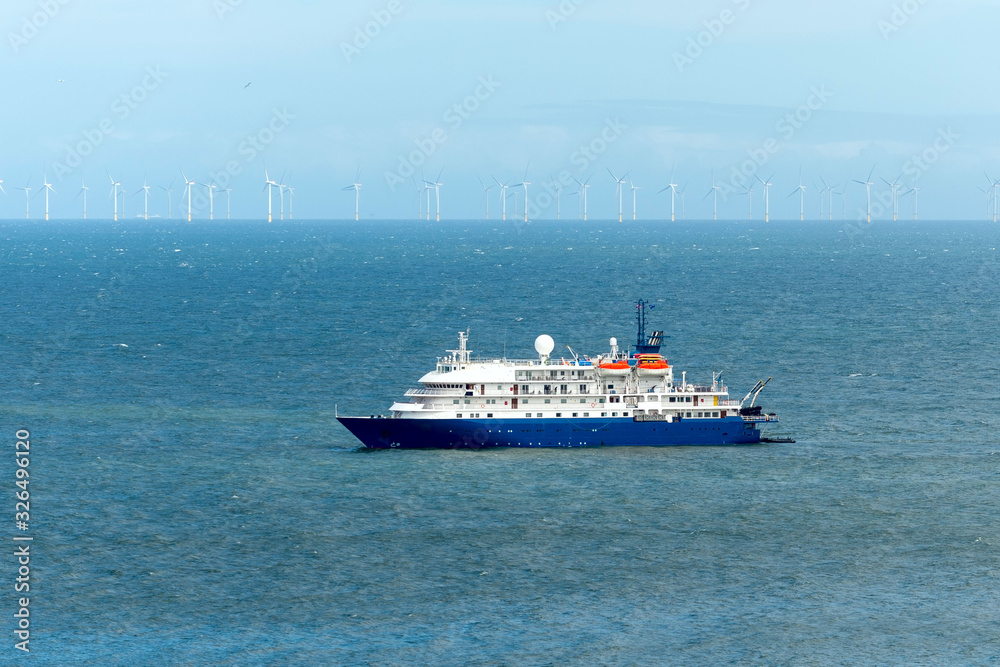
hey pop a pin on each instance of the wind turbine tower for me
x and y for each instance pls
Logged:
(715, 202)
(868, 187)
(145, 199)
(802, 198)
(767, 196)
(437, 194)
(584, 186)
(48, 188)
(621, 187)
(83, 191)
(188, 184)
(356, 186)
(634, 189)
(268, 185)
(114, 193)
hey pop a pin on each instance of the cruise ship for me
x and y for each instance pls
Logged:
(625, 397)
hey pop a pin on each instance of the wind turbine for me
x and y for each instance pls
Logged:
(634, 188)
(420, 198)
(915, 191)
(145, 197)
(291, 198)
(895, 197)
(83, 191)
(584, 186)
(188, 185)
(211, 199)
(437, 193)
(486, 196)
(748, 192)
(683, 208)
(268, 184)
(994, 185)
(170, 191)
(620, 185)
(673, 194)
(503, 196)
(114, 193)
(48, 188)
(356, 186)
(27, 192)
(868, 187)
(802, 198)
(767, 196)
(843, 200)
(828, 190)
(715, 203)
(229, 201)
(525, 183)
(558, 188)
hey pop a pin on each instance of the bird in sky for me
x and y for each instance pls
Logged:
(247, 86)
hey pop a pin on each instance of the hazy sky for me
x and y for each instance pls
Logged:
(481, 89)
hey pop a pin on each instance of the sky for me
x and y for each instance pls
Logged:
(665, 91)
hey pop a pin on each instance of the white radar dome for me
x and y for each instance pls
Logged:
(544, 345)
(614, 342)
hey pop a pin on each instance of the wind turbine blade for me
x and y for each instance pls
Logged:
(872, 171)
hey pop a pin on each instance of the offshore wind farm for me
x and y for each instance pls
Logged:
(545, 203)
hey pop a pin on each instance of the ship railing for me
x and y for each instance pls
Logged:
(761, 419)
(435, 392)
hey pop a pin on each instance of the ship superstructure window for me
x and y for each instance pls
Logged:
(459, 415)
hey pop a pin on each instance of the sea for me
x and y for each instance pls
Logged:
(193, 499)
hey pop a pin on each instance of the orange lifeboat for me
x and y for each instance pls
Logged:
(654, 365)
(614, 368)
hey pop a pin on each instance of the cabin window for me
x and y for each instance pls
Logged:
(604, 414)
(456, 401)
(586, 414)
(459, 415)
(548, 400)
(539, 415)
(489, 415)
(563, 400)
(624, 414)
(715, 414)
(558, 414)
(528, 415)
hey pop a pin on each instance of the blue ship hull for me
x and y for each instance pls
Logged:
(381, 433)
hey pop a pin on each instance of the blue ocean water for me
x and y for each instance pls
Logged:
(194, 500)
